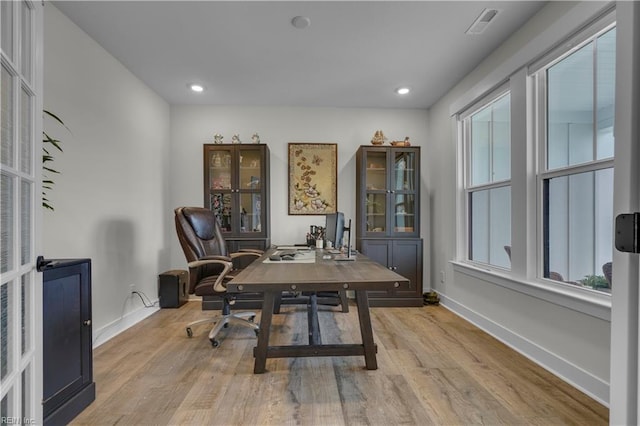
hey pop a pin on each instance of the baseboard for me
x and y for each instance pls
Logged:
(109, 331)
(565, 370)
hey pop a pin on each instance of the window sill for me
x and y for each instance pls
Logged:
(580, 300)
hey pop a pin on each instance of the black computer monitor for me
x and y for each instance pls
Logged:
(334, 228)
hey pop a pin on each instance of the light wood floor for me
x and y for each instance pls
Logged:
(434, 368)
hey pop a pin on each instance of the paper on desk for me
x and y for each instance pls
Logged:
(301, 257)
(298, 248)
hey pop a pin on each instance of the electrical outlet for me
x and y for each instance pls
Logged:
(442, 277)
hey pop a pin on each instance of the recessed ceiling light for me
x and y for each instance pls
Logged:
(196, 87)
(301, 22)
(402, 90)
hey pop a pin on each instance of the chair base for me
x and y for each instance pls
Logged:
(221, 321)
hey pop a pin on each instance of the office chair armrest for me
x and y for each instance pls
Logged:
(256, 251)
(218, 285)
(245, 253)
(216, 257)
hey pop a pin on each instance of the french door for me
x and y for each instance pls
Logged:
(20, 211)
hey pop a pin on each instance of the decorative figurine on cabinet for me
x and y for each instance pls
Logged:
(255, 138)
(217, 138)
(378, 138)
(235, 138)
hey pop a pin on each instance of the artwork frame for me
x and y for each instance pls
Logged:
(313, 178)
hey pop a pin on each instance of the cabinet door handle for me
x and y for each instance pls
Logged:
(86, 322)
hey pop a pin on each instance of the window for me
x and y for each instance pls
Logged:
(576, 98)
(487, 141)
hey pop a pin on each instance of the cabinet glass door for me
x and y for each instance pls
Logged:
(376, 207)
(250, 169)
(220, 169)
(250, 212)
(403, 190)
(220, 204)
(376, 175)
(249, 189)
(376, 184)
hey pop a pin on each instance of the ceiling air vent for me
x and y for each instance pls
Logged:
(482, 22)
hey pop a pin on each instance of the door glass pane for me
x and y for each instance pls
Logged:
(376, 173)
(25, 132)
(7, 27)
(220, 169)
(605, 112)
(6, 117)
(404, 166)
(6, 222)
(249, 169)
(6, 406)
(25, 221)
(404, 213)
(6, 329)
(25, 310)
(579, 234)
(570, 110)
(376, 206)
(250, 211)
(25, 44)
(27, 408)
(220, 205)
(491, 226)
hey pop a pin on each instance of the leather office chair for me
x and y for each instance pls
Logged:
(210, 266)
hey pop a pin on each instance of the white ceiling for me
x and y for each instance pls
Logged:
(354, 54)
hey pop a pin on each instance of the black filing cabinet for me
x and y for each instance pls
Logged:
(68, 385)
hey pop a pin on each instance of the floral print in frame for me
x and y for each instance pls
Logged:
(313, 178)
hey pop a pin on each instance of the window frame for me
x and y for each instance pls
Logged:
(465, 127)
(538, 100)
(526, 259)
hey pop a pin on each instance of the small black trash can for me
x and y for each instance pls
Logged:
(173, 288)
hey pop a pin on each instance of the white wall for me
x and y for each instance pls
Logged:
(572, 344)
(192, 126)
(111, 198)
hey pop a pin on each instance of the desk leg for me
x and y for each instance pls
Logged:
(312, 319)
(365, 330)
(260, 352)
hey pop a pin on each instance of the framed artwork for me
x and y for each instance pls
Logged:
(313, 176)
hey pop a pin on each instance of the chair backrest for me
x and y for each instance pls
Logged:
(199, 233)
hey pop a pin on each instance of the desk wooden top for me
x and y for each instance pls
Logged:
(324, 274)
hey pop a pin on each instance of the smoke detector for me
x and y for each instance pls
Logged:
(301, 22)
(482, 22)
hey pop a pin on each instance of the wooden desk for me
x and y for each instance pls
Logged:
(273, 278)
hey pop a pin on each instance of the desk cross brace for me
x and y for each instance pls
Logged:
(262, 351)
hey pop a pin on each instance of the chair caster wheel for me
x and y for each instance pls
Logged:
(189, 332)
(215, 343)
(252, 318)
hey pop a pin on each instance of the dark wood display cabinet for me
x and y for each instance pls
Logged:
(236, 189)
(388, 217)
(68, 385)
